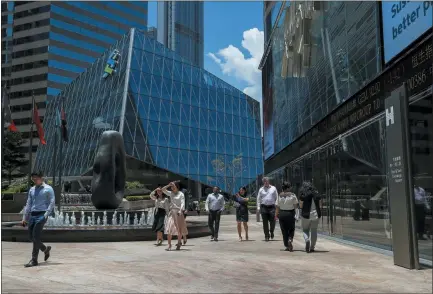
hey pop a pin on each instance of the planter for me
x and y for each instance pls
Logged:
(15, 204)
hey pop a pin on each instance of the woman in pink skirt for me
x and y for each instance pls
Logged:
(176, 224)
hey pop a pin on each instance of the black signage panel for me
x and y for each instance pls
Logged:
(415, 69)
(396, 120)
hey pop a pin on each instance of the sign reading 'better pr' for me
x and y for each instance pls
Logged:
(403, 23)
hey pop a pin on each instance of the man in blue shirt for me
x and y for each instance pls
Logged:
(40, 204)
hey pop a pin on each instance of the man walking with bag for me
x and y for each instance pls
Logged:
(40, 204)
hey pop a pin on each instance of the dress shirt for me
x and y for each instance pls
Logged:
(160, 203)
(40, 198)
(177, 200)
(267, 196)
(214, 202)
(286, 201)
(420, 197)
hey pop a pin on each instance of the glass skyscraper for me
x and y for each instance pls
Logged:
(53, 42)
(178, 121)
(181, 28)
(326, 85)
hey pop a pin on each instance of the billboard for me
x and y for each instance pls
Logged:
(402, 23)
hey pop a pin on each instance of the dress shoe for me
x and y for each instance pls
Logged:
(272, 235)
(47, 253)
(31, 263)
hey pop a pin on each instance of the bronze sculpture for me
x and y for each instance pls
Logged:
(109, 172)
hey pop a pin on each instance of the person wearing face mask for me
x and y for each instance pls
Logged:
(176, 224)
(288, 214)
(214, 206)
(266, 198)
(40, 204)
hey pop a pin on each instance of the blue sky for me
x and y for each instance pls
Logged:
(233, 42)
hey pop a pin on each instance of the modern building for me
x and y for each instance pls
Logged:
(329, 69)
(178, 121)
(51, 43)
(181, 28)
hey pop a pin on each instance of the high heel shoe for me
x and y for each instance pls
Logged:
(184, 242)
(169, 248)
(159, 243)
(178, 246)
(240, 238)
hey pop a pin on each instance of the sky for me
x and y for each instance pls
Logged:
(233, 42)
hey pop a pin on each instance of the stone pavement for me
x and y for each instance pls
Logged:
(227, 266)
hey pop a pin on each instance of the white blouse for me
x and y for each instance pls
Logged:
(287, 201)
(177, 200)
(160, 203)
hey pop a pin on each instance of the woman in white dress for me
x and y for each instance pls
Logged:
(176, 224)
(161, 210)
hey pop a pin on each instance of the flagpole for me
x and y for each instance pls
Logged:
(60, 151)
(32, 117)
(55, 152)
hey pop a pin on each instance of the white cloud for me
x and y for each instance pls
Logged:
(234, 63)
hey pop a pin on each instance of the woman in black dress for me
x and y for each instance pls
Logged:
(162, 206)
(241, 203)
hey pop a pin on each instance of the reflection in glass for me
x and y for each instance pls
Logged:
(421, 135)
(350, 176)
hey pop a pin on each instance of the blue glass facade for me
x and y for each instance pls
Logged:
(82, 31)
(172, 114)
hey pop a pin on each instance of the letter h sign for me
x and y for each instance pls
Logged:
(389, 116)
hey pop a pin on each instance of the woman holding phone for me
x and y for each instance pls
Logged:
(242, 212)
(176, 224)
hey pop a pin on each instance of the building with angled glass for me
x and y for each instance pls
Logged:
(49, 43)
(178, 121)
(329, 70)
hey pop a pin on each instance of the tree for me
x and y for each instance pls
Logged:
(230, 171)
(13, 157)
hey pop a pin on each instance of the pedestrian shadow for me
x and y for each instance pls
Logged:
(249, 240)
(174, 250)
(319, 251)
(294, 250)
(50, 263)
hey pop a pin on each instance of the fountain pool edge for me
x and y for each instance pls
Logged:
(97, 234)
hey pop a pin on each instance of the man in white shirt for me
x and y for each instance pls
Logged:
(266, 199)
(214, 206)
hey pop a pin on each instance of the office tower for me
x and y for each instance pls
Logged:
(178, 121)
(329, 72)
(181, 28)
(54, 42)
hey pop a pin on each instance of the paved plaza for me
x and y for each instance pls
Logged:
(227, 266)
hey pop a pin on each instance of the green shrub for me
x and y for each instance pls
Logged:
(137, 198)
(134, 185)
(18, 188)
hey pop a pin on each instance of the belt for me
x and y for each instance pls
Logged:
(36, 213)
(268, 206)
(289, 210)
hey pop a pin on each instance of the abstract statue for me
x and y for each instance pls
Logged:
(109, 172)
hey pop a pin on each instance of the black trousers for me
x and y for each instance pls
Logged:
(214, 222)
(287, 225)
(36, 225)
(268, 218)
(420, 218)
